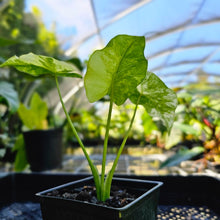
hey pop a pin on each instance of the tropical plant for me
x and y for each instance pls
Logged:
(120, 71)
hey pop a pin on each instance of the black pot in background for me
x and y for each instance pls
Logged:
(44, 149)
(143, 208)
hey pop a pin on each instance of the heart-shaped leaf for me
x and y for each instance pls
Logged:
(117, 69)
(158, 100)
(39, 66)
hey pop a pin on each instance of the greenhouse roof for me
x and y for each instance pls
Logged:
(182, 37)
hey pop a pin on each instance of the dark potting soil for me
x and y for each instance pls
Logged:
(118, 197)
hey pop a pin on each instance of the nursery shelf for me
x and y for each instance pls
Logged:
(181, 197)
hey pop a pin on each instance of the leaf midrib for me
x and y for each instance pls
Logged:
(118, 66)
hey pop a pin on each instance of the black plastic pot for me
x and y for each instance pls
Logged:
(143, 208)
(44, 149)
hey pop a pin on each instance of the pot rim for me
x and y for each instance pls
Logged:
(157, 185)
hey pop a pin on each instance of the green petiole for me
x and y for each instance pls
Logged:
(91, 165)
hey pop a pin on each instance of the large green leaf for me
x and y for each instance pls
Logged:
(182, 155)
(158, 100)
(10, 96)
(39, 66)
(35, 116)
(117, 69)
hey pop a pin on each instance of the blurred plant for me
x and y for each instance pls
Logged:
(34, 117)
(183, 154)
(155, 132)
(21, 32)
(121, 117)
(198, 120)
(88, 125)
(9, 103)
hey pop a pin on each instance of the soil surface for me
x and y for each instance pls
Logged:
(118, 197)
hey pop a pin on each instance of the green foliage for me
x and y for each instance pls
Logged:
(34, 117)
(187, 129)
(120, 121)
(198, 112)
(9, 103)
(8, 42)
(88, 125)
(148, 124)
(197, 118)
(183, 154)
(20, 33)
(111, 70)
(120, 70)
(21, 158)
(9, 96)
(158, 100)
(23, 32)
(46, 38)
(38, 65)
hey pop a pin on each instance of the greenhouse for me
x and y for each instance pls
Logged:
(110, 109)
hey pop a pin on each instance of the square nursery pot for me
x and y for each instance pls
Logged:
(142, 208)
(44, 149)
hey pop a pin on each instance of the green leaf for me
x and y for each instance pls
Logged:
(148, 124)
(158, 100)
(182, 155)
(40, 66)
(9, 95)
(35, 117)
(21, 158)
(187, 129)
(9, 42)
(117, 69)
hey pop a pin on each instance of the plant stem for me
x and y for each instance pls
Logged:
(105, 148)
(124, 141)
(111, 172)
(92, 166)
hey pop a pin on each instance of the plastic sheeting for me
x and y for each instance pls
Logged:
(182, 37)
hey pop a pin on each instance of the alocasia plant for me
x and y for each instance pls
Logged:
(120, 71)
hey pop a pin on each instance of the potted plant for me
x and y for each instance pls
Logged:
(120, 71)
(42, 145)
